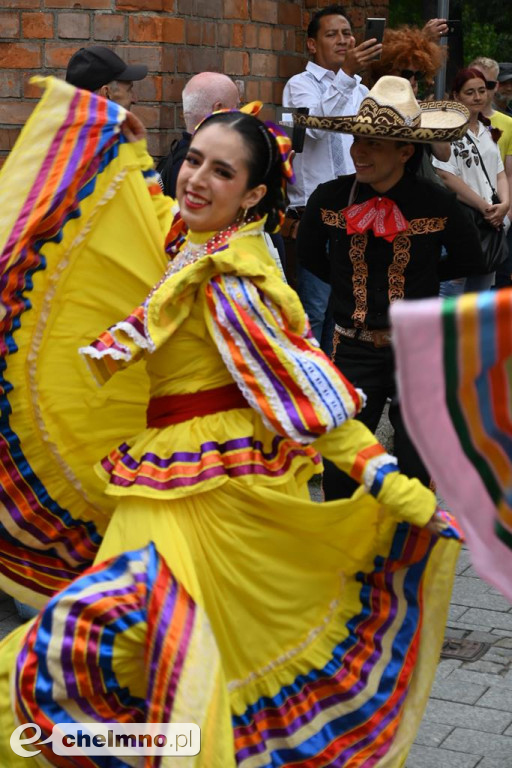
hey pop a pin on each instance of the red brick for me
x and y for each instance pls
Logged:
(145, 5)
(278, 93)
(193, 31)
(237, 35)
(173, 31)
(289, 40)
(264, 64)
(150, 55)
(277, 39)
(10, 84)
(290, 65)
(32, 91)
(289, 14)
(251, 36)
(206, 9)
(20, 56)
(18, 4)
(357, 18)
(145, 29)
(209, 33)
(149, 89)
(58, 54)
(236, 9)
(15, 112)
(252, 90)
(158, 145)
(173, 87)
(8, 137)
(300, 43)
(266, 91)
(264, 10)
(224, 35)
(9, 24)
(236, 63)
(168, 118)
(39, 25)
(150, 116)
(194, 60)
(93, 5)
(168, 59)
(74, 25)
(265, 38)
(109, 26)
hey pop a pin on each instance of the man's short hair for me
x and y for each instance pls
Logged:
(486, 63)
(330, 10)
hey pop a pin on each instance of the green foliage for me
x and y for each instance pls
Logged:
(486, 24)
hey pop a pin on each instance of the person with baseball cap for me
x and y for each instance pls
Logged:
(102, 71)
(503, 96)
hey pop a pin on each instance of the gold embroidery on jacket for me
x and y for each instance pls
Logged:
(401, 258)
(426, 226)
(333, 218)
(356, 253)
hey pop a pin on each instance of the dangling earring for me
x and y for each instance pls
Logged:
(242, 216)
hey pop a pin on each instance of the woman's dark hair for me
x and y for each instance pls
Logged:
(263, 162)
(330, 10)
(460, 80)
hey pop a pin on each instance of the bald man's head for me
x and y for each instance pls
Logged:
(206, 92)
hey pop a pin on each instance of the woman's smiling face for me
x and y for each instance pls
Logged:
(212, 185)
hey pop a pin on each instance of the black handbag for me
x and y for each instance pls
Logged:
(493, 241)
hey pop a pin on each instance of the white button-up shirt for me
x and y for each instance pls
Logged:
(325, 93)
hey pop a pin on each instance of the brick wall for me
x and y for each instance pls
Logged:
(258, 42)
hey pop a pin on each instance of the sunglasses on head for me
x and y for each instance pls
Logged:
(491, 84)
(410, 73)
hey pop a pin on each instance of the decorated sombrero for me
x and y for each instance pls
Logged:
(390, 111)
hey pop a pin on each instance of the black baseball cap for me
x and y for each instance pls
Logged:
(92, 67)
(505, 72)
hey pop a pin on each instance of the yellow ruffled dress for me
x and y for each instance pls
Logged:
(317, 627)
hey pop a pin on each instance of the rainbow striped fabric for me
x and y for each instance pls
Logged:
(66, 169)
(283, 374)
(455, 383)
(130, 607)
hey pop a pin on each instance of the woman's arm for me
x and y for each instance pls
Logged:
(464, 193)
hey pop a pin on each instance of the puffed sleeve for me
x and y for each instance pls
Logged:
(298, 392)
(277, 364)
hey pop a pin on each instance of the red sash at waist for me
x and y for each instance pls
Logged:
(173, 409)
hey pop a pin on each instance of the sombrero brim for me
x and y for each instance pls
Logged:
(439, 121)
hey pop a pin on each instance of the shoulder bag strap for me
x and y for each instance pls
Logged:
(482, 164)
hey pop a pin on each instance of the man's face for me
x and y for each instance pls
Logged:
(121, 92)
(490, 77)
(380, 162)
(503, 95)
(330, 45)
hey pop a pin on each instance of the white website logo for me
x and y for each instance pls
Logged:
(69, 739)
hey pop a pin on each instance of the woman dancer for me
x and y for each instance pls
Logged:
(464, 172)
(303, 632)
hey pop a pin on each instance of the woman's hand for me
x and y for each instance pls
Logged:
(436, 524)
(132, 128)
(495, 214)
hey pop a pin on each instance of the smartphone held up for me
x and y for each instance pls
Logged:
(375, 29)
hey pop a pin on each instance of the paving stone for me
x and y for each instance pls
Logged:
(481, 718)
(506, 642)
(472, 592)
(454, 634)
(432, 734)
(464, 562)
(479, 743)
(457, 690)
(483, 637)
(469, 627)
(493, 619)
(495, 762)
(446, 667)
(479, 678)
(431, 757)
(456, 612)
(485, 666)
(498, 697)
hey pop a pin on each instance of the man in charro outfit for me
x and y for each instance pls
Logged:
(376, 236)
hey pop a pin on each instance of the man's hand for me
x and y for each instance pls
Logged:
(132, 128)
(435, 28)
(358, 57)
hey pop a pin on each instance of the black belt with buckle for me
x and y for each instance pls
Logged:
(379, 338)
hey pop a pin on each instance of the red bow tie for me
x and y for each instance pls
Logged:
(379, 214)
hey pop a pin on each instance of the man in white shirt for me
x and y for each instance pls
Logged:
(328, 86)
